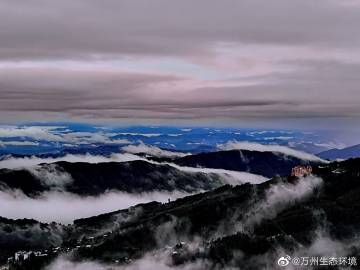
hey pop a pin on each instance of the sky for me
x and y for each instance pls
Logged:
(270, 63)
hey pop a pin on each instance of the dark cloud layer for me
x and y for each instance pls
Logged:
(192, 61)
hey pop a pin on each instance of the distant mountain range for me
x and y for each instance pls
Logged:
(345, 153)
(248, 225)
(60, 138)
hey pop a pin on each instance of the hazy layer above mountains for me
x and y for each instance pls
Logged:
(74, 138)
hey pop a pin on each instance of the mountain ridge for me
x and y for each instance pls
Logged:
(344, 153)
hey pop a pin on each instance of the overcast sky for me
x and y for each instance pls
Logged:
(228, 62)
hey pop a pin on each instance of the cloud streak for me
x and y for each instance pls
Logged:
(151, 150)
(13, 162)
(227, 176)
(55, 134)
(244, 145)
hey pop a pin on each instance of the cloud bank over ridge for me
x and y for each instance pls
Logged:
(243, 145)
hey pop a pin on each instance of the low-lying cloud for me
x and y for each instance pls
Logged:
(148, 262)
(51, 175)
(278, 197)
(151, 150)
(227, 176)
(14, 162)
(57, 134)
(244, 145)
(18, 143)
(65, 207)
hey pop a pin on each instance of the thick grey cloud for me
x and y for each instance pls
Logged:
(193, 61)
(47, 29)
